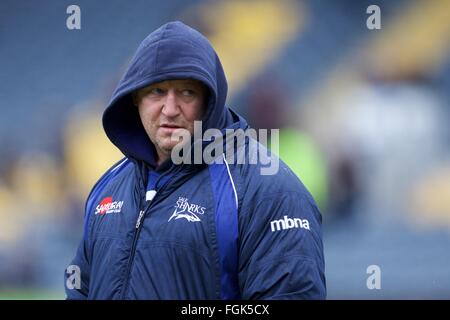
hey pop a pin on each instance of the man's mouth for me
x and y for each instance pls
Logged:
(170, 126)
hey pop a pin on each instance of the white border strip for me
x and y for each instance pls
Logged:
(119, 165)
(232, 182)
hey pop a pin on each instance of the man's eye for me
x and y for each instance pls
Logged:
(157, 91)
(188, 92)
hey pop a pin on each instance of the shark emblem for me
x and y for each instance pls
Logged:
(186, 210)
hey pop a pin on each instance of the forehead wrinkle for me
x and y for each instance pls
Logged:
(177, 82)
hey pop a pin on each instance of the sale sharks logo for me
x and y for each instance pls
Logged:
(189, 211)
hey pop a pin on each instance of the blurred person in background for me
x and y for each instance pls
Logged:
(393, 125)
(158, 230)
(269, 109)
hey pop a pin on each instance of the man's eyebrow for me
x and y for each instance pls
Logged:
(190, 81)
(150, 86)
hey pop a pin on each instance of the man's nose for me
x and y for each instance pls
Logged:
(171, 107)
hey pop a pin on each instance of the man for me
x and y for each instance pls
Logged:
(155, 229)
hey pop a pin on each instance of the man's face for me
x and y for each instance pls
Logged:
(168, 106)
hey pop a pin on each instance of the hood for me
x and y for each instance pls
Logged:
(173, 51)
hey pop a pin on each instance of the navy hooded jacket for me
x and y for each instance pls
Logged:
(212, 231)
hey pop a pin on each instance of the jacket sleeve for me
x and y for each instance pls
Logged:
(281, 250)
(77, 274)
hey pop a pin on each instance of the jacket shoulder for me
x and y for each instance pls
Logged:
(262, 171)
(106, 179)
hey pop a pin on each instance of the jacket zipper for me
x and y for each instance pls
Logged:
(137, 230)
(133, 246)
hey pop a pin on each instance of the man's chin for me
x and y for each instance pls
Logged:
(169, 147)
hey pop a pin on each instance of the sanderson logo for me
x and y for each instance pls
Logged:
(289, 223)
